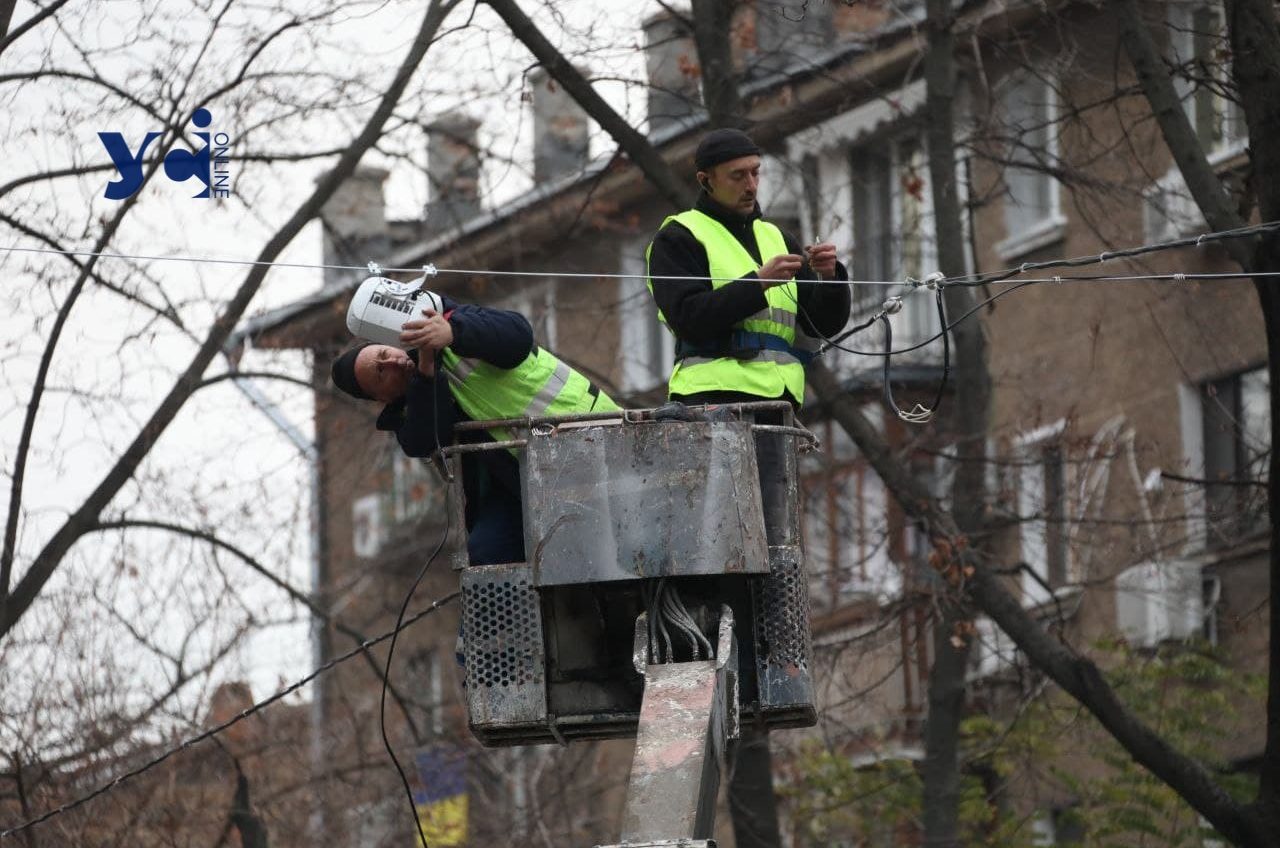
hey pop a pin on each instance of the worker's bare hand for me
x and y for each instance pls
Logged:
(430, 332)
(822, 259)
(779, 270)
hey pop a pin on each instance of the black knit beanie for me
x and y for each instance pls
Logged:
(722, 145)
(343, 372)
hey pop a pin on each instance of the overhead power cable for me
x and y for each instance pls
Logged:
(1109, 255)
(967, 279)
(218, 728)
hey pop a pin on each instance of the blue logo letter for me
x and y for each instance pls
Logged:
(180, 165)
(128, 165)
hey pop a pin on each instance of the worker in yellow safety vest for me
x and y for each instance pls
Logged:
(469, 363)
(742, 298)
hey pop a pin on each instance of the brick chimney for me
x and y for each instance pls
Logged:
(355, 220)
(559, 130)
(786, 34)
(453, 171)
(672, 61)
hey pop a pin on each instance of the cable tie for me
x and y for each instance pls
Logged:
(1200, 239)
(1057, 279)
(934, 279)
(374, 268)
(1102, 257)
(1024, 267)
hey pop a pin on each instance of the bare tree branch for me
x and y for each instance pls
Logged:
(85, 516)
(633, 144)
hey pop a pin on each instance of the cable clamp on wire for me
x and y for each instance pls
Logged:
(1024, 267)
(1179, 278)
(375, 270)
(892, 306)
(913, 283)
(1102, 257)
(1057, 280)
(429, 270)
(1200, 239)
(934, 280)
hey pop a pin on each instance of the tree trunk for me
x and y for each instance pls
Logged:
(951, 640)
(752, 804)
(711, 21)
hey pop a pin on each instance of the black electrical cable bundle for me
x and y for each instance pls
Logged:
(386, 673)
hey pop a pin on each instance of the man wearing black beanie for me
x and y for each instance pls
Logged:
(745, 324)
(464, 364)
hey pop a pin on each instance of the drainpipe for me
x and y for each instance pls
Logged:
(320, 648)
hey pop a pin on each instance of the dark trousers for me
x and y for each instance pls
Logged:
(497, 534)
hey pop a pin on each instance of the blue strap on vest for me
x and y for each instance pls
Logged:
(742, 344)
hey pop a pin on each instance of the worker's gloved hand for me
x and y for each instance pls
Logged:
(675, 411)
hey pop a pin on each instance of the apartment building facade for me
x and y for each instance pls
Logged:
(1128, 416)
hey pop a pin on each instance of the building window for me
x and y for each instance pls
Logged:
(1043, 506)
(847, 532)
(892, 235)
(425, 690)
(537, 303)
(646, 349)
(1200, 55)
(1237, 448)
(1062, 826)
(1032, 208)
(415, 489)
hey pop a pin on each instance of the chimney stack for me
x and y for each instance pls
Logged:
(559, 130)
(785, 33)
(672, 60)
(453, 171)
(355, 220)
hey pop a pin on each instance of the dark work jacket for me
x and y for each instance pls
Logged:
(699, 314)
(427, 413)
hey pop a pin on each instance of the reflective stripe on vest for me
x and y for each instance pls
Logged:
(540, 385)
(768, 373)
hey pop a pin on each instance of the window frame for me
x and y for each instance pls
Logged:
(1051, 228)
(1035, 445)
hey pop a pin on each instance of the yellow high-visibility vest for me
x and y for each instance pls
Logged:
(764, 363)
(540, 385)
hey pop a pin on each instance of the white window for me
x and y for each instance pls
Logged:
(847, 533)
(1042, 503)
(367, 525)
(1200, 55)
(893, 234)
(646, 349)
(1032, 206)
(415, 488)
(1236, 418)
(425, 689)
(537, 303)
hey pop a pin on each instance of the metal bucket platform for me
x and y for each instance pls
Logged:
(613, 502)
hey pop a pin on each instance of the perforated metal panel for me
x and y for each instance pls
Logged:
(783, 643)
(503, 646)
